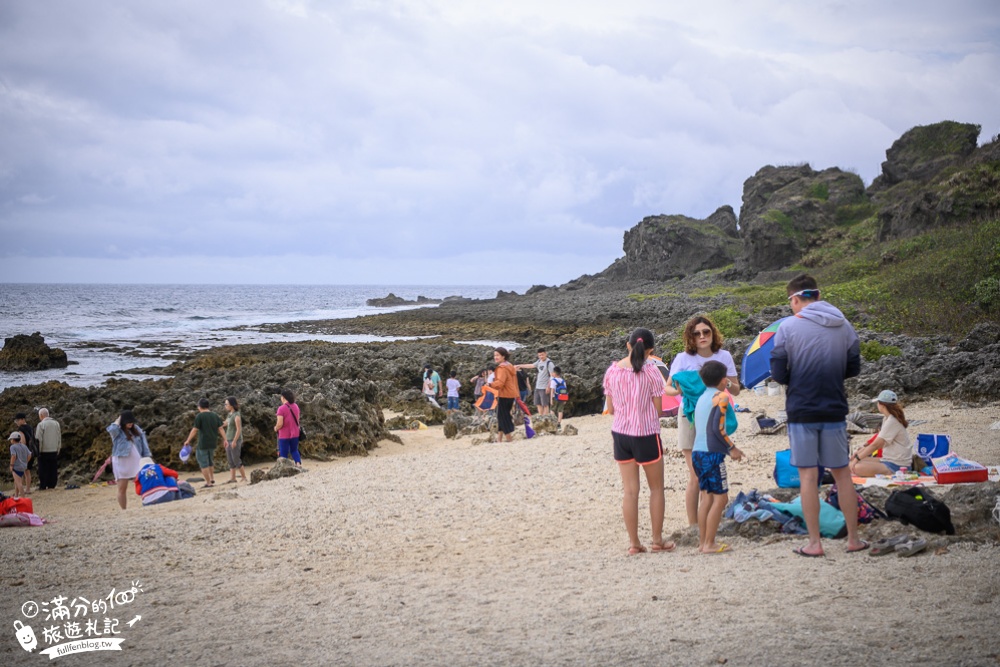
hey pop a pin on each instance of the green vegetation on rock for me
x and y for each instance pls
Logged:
(872, 350)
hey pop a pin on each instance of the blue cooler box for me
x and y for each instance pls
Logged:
(931, 446)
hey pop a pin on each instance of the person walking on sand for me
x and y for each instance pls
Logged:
(287, 428)
(208, 430)
(702, 343)
(634, 390)
(48, 433)
(814, 352)
(128, 447)
(505, 384)
(234, 440)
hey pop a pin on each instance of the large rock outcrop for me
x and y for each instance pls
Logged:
(30, 353)
(935, 175)
(785, 210)
(661, 247)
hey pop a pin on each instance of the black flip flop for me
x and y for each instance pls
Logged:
(801, 551)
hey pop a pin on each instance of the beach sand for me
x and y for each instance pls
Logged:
(444, 552)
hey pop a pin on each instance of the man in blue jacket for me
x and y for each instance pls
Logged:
(814, 352)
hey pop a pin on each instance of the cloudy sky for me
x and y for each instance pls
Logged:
(439, 141)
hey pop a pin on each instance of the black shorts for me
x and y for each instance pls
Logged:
(641, 449)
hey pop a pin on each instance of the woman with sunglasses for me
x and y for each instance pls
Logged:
(702, 343)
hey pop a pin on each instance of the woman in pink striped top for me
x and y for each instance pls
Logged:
(634, 389)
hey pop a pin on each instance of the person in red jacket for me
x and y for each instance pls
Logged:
(156, 484)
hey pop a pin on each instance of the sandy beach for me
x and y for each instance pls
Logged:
(445, 552)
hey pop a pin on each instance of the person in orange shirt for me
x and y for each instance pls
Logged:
(505, 383)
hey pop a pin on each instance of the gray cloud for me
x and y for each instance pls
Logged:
(438, 142)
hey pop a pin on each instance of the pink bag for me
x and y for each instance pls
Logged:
(20, 519)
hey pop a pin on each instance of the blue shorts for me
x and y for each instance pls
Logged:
(19, 473)
(820, 444)
(641, 449)
(890, 465)
(453, 402)
(711, 470)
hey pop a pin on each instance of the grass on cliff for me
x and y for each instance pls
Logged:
(944, 281)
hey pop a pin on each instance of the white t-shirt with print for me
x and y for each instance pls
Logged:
(694, 362)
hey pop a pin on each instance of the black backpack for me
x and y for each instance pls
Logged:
(918, 507)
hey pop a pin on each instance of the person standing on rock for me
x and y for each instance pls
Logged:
(48, 433)
(814, 352)
(544, 366)
(432, 385)
(505, 384)
(208, 430)
(287, 428)
(128, 447)
(234, 440)
(634, 390)
(702, 343)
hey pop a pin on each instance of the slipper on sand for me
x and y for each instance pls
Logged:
(889, 544)
(632, 551)
(801, 551)
(663, 547)
(723, 548)
(912, 547)
(864, 545)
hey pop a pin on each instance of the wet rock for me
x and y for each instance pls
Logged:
(392, 300)
(30, 353)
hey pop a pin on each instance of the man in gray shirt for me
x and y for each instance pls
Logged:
(49, 437)
(544, 366)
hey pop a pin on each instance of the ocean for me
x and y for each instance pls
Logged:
(110, 328)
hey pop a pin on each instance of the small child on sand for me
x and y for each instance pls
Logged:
(453, 384)
(711, 444)
(19, 457)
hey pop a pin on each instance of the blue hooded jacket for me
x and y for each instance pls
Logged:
(814, 352)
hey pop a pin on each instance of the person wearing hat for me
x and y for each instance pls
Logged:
(128, 447)
(19, 457)
(892, 439)
(21, 421)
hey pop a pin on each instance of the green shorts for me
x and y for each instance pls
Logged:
(205, 457)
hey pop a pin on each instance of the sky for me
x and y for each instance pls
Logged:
(439, 141)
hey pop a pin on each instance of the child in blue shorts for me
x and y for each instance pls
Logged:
(453, 384)
(708, 456)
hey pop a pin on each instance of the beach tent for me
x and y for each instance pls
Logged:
(757, 360)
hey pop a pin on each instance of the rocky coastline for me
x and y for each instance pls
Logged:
(673, 268)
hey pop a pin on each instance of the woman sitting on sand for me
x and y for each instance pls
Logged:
(634, 390)
(702, 343)
(128, 447)
(892, 439)
(287, 428)
(505, 383)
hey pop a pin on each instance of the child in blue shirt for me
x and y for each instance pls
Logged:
(711, 445)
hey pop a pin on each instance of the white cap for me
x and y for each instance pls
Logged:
(16, 435)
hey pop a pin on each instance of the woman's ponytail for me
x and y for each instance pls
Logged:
(641, 341)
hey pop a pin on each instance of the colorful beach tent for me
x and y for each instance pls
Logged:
(757, 360)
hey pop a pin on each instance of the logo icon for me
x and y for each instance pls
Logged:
(25, 636)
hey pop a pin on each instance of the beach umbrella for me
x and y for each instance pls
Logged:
(757, 359)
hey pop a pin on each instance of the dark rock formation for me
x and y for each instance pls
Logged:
(926, 150)
(392, 300)
(30, 353)
(785, 209)
(936, 176)
(661, 247)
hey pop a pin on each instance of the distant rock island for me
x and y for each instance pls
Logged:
(30, 353)
(391, 299)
